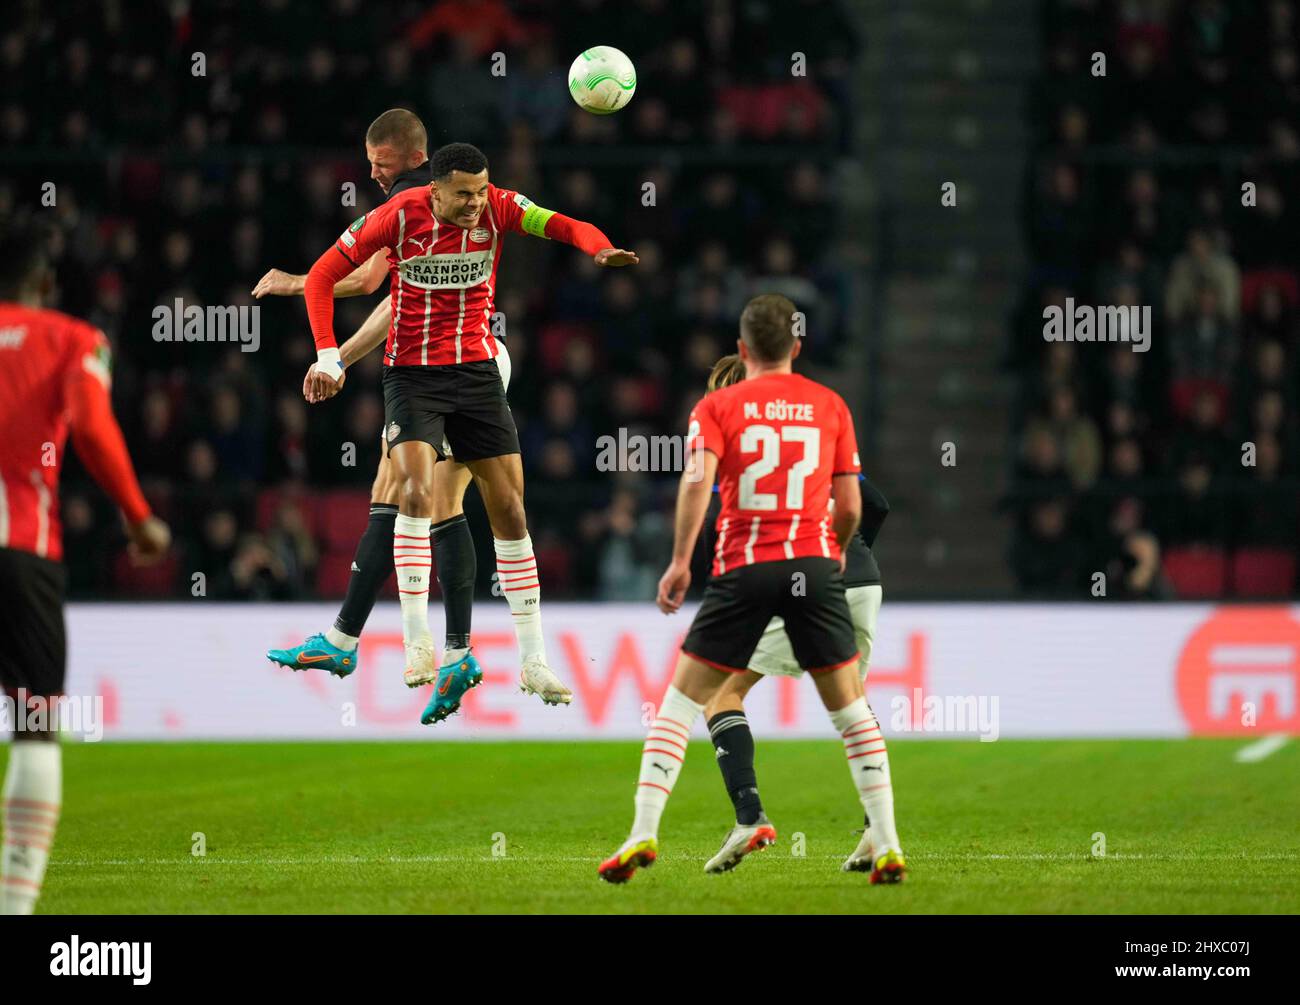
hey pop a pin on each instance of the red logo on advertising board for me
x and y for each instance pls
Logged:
(1239, 673)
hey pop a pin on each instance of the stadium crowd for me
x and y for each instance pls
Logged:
(1169, 182)
(230, 154)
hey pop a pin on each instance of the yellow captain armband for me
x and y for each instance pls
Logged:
(534, 218)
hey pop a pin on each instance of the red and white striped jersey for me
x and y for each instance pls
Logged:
(779, 439)
(56, 377)
(442, 276)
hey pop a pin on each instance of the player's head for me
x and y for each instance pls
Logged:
(726, 371)
(25, 271)
(395, 142)
(460, 183)
(767, 332)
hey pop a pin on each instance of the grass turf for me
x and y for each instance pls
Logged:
(1004, 827)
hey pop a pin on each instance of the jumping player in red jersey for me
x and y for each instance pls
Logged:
(443, 393)
(782, 447)
(396, 145)
(56, 381)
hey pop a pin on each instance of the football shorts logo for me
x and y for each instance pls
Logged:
(393, 430)
(480, 235)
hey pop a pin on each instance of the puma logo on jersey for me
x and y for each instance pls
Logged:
(12, 338)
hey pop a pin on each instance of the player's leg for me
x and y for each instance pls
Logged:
(481, 432)
(733, 744)
(662, 756)
(335, 649)
(457, 567)
(880, 834)
(453, 555)
(500, 482)
(822, 635)
(413, 463)
(722, 638)
(32, 663)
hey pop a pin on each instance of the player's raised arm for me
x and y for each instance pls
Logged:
(364, 280)
(546, 223)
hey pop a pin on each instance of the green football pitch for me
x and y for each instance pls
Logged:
(1005, 827)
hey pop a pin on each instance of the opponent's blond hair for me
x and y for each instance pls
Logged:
(401, 128)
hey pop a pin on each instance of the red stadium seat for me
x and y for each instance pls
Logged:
(1254, 281)
(157, 580)
(1197, 571)
(554, 336)
(269, 502)
(555, 565)
(1263, 572)
(343, 515)
(1184, 391)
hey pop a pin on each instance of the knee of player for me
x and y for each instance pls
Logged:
(513, 518)
(447, 509)
(385, 492)
(416, 496)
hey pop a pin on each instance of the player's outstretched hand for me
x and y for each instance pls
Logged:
(150, 539)
(277, 284)
(673, 586)
(316, 387)
(615, 256)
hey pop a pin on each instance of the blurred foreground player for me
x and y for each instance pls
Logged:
(879, 852)
(782, 448)
(56, 381)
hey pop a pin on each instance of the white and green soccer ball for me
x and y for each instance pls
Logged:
(602, 80)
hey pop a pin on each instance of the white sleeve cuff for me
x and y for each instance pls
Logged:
(330, 363)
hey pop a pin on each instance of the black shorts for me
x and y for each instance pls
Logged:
(35, 654)
(459, 409)
(739, 604)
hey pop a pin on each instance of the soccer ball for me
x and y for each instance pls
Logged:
(602, 80)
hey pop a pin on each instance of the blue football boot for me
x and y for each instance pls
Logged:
(454, 679)
(316, 652)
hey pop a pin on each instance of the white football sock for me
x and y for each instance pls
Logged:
(33, 793)
(411, 559)
(517, 574)
(348, 643)
(661, 759)
(864, 747)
